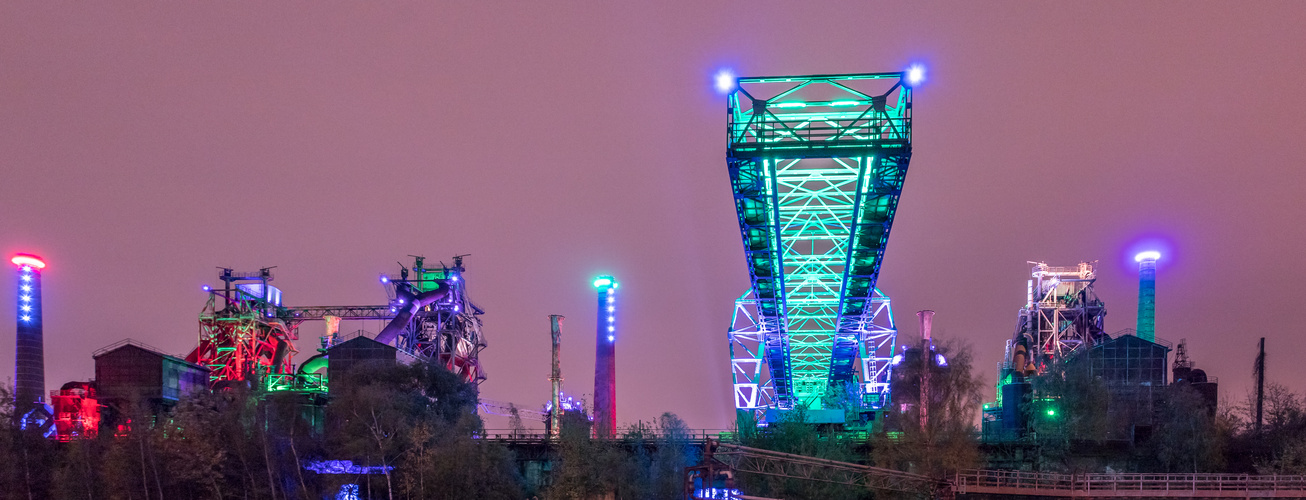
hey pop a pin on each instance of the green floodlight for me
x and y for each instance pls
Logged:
(604, 281)
(1052, 413)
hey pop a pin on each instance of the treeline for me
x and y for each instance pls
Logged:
(1188, 435)
(413, 425)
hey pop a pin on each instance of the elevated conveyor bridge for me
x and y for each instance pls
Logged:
(817, 165)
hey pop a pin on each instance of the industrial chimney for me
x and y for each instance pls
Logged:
(29, 354)
(1146, 329)
(605, 360)
(555, 376)
(927, 351)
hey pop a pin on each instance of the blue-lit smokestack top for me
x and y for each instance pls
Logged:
(1146, 329)
(607, 287)
(29, 355)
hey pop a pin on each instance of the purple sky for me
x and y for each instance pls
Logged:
(141, 145)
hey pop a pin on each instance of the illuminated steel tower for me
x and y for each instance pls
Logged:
(1147, 295)
(605, 359)
(817, 164)
(29, 356)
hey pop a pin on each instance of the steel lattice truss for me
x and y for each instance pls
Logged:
(754, 389)
(817, 165)
(1062, 313)
(742, 459)
(300, 314)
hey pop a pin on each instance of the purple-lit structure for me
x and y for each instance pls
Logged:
(605, 359)
(29, 354)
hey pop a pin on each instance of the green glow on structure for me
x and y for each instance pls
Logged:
(816, 193)
(602, 282)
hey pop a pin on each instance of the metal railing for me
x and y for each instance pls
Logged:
(694, 435)
(1051, 484)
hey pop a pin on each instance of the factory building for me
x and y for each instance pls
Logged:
(1061, 366)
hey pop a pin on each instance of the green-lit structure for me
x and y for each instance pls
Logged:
(817, 164)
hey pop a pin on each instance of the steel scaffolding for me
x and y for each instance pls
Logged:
(817, 165)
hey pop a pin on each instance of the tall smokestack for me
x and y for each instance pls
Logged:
(555, 377)
(605, 359)
(1259, 371)
(927, 322)
(1146, 329)
(29, 355)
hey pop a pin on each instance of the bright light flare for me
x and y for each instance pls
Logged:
(23, 259)
(602, 282)
(725, 81)
(1152, 255)
(915, 74)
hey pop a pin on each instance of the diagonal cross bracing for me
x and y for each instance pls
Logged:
(817, 169)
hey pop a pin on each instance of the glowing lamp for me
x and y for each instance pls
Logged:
(23, 259)
(385, 279)
(725, 81)
(602, 282)
(206, 288)
(915, 74)
(1148, 255)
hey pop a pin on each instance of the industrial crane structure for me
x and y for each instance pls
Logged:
(817, 165)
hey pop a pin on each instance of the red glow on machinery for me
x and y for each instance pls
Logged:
(76, 412)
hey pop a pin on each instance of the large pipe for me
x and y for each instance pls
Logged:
(410, 305)
(555, 377)
(314, 364)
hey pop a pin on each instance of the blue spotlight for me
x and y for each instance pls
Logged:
(725, 81)
(915, 74)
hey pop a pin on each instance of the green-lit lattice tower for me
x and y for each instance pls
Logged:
(817, 164)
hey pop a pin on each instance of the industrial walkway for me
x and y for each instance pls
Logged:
(991, 482)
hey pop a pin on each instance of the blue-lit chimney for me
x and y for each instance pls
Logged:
(1147, 295)
(29, 355)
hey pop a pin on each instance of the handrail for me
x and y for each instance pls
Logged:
(973, 480)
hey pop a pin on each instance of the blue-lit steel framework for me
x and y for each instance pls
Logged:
(817, 165)
(447, 330)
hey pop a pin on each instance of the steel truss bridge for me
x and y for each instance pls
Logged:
(817, 165)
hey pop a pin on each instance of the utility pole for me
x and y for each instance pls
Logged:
(1259, 371)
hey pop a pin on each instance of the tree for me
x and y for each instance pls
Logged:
(1187, 436)
(947, 442)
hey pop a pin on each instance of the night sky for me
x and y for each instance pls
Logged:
(142, 145)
